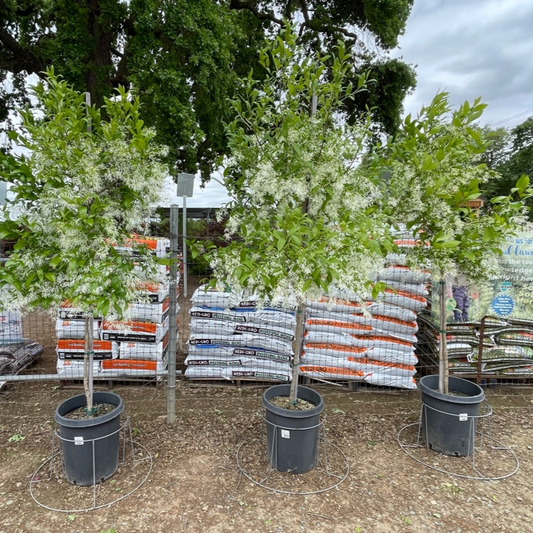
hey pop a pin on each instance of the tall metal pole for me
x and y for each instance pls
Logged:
(89, 321)
(172, 316)
(184, 249)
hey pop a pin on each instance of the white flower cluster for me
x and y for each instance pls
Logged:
(88, 191)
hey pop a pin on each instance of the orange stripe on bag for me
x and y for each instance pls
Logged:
(337, 323)
(400, 366)
(381, 338)
(392, 320)
(65, 344)
(338, 347)
(407, 295)
(332, 370)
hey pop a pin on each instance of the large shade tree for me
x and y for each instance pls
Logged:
(511, 154)
(183, 56)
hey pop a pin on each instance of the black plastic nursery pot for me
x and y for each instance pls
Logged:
(449, 420)
(90, 445)
(292, 435)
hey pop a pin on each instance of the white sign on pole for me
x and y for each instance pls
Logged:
(3, 192)
(185, 184)
(185, 189)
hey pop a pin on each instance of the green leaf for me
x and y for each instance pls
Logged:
(488, 234)
(451, 244)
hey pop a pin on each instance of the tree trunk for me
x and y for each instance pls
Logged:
(297, 348)
(99, 63)
(443, 347)
(88, 364)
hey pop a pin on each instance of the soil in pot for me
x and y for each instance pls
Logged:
(284, 402)
(81, 412)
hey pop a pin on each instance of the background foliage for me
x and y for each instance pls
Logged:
(183, 57)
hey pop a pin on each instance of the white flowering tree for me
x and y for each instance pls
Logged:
(303, 209)
(435, 169)
(84, 181)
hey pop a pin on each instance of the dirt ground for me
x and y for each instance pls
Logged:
(197, 481)
(209, 470)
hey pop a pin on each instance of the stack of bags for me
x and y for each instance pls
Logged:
(352, 338)
(137, 347)
(507, 348)
(70, 347)
(142, 342)
(10, 327)
(232, 338)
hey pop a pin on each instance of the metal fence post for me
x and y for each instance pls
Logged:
(172, 316)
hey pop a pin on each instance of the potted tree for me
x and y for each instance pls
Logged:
(434, 172)
(304, 211)
(83, 180)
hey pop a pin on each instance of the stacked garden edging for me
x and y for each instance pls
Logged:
(507, 350)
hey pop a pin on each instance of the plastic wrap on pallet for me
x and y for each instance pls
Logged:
(135, 331)
(134, 367)
(75, 349)
(346, 307)
(150, 311)
(208, 351)
(263, 317)
(209, 327)
(403, 274)
(338, 326)
(10, 327)
(144, 350)
(359, 341)
(241, 373)
(74, 368)
(245, 341)
(230, 331)
(158, 246)
(376, 353)
(74, 328)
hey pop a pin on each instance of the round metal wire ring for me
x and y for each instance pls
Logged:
(147, 458)
(407, 448)
(339, 479)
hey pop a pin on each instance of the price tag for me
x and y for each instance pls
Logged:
(463, 417)
(78, 441)
(285, 433)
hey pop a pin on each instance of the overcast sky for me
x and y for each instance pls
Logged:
(472, 48)
(468, 48)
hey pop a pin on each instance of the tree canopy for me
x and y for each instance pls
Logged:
(183, 57)
(510, 153)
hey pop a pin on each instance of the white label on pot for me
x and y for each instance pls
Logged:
(463, 417)
(285, 433)
(78, 441)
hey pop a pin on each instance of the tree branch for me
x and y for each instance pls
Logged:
(22, 59)
(309, 22)
(251, 5)
(315, 25)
